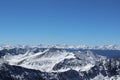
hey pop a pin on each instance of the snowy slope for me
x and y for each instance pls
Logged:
(58, 63)
(50, 60)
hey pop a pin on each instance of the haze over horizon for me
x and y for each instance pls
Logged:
(72, 22)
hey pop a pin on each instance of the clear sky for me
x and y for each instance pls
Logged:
(89, 22)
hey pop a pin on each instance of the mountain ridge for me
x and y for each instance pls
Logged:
(102, 47)
(52, 63)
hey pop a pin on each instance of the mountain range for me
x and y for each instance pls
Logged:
(59, 62)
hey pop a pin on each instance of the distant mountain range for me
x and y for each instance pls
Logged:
(103, 47)
(59, 62)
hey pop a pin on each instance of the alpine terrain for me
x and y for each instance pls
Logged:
(59, 62)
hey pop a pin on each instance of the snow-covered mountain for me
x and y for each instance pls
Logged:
(103, 47)
(57, 63)
(54, 59)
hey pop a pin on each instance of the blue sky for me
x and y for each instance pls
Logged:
(89, 22)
